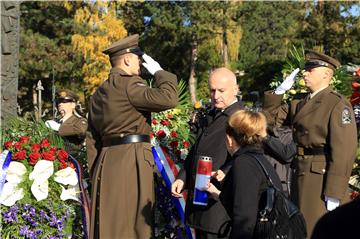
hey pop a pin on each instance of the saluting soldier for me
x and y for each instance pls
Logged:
(71, 126)
(325, 133)
(118, 143)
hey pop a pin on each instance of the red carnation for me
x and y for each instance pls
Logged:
(358, 72)
(161, 134)
(173, 134)
(72, 165)
(165, 122)
(174, 144)
(186, 144)
(19, 155)
(45, 143)
(35, 147)
(63, 155)
(24, 139)
(8, 144)
(154, 122)
(151, 135)
(178, 153)
(34, 158)
(17, 145)
(169, 116)
(63, 165)
(48, 156)
(52, 151)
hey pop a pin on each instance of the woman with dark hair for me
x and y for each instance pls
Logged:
(246, 180)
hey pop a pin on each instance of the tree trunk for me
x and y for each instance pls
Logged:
(192, 79)
(225, 49)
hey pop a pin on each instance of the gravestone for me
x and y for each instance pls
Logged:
(10, 24)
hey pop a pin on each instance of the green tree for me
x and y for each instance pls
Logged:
(103, 28)
(45, 51)
(333, 27)
(269, 29)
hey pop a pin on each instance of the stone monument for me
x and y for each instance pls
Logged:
(10, 24)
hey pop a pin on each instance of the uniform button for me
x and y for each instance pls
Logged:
(323, 170)
(306, 132)
(294, 130)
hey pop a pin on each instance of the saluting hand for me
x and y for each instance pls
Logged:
(287, 83)
(150, 64)
(177, 187)
(52, 125)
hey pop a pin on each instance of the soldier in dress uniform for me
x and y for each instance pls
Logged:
(119, 152)
(325, 133)
(71, 126)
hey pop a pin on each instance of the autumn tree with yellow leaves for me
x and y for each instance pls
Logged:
(102, 29)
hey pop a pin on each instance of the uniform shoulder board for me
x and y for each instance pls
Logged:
(346, 116)
(336, 94)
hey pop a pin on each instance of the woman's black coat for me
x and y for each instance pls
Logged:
(242, 188)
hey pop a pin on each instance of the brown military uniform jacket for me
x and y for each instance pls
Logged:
(122, 175)
(325, 121)
(73, 131)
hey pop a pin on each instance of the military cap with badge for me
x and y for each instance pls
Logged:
(66, 96)
(315, 59)
(130, 44)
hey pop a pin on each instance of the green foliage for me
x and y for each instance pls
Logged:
(20, 126)
(332, 28)
(45, 50)
(268, 28)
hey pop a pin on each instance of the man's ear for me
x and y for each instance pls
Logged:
(126, 60)
(236, 89)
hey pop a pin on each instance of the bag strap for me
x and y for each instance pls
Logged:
(270, 182)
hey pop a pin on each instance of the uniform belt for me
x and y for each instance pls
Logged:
(301, 151)
(127, 139)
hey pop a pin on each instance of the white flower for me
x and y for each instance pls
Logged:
(11, 194)
(15, 172)
(40, 189)
(66, 176)
(72, 192)
(43, 169)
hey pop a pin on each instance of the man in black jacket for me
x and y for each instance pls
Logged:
(210, 221)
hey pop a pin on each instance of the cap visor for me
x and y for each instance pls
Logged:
(137, 51)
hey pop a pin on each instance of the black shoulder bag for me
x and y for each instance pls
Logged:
(277, 216)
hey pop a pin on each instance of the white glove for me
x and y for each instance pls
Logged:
(287, 83)
(331, 203)
(52, 125)
(150, 64)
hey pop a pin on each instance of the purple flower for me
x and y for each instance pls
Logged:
(31, 235)
(43, 216)
(32, 212)
(26, 206)
(11, 215)
(60, 225)
(24, 230)
(53, 220)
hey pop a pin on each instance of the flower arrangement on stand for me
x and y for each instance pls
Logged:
(171, 133)
(170, 130)
(40, 197)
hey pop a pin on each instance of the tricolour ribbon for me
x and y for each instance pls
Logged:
(84, 197)
(5, 159)
(169, 170)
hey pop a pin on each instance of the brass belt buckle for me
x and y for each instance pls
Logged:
(300, 151)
